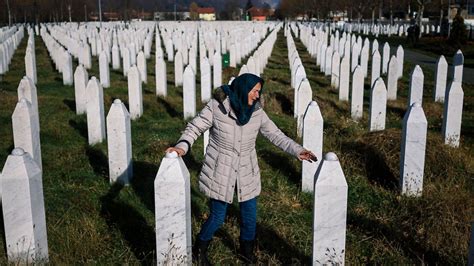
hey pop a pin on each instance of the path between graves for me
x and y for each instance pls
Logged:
(428, 61)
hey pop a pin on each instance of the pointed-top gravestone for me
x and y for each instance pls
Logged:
(189, 93)
(344, 79)
(378, 106)
(141, 64)
(30, 65)
(178, 69)
(329, 213)
(441, 75)
(126, 60)
(160, 77)
(458, 62)
(313, 125)
(412, 156)
(173, 212)
(400, 60)
(335, 70)
(452, 117)
(305, 95)
(81, 78)
(104, 70)
(27, 90)
(26, 134)
(205, 80)
(135, 94)
(375, 67)
(67, 69)
(24, 218)
(217, 70)
(95, 112)
(415, 95)
(357, 97)
(115, 57)
(119, 144)
(386, 57)
(392, 81)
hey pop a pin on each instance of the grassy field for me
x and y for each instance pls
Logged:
(90, 221)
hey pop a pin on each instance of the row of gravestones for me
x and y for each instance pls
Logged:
(323, 178)
(10, 38)
(414, 123)
(394, 70)
(258, 60)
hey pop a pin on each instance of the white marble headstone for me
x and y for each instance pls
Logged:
(95, 112)
(378, 106)
(189, 93)
(392, 80)
(135, 93)
(81, 78)
(173, 212)
(23, 210)
(217, 70)
(375, 67)
(119, 144)
(357, 97)
(441, 75)
(305, 95)
(26, 133)
(141, 64)
(104, 70)
(67, 69)
(329, 213)
(178, 69)
(27, 89)
(415, 94)
(205, 80)
(413, 146)
(160, 77)
(344, 79)
(452, 117)
(313, 125)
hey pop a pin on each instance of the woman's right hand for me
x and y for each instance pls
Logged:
(179, 151)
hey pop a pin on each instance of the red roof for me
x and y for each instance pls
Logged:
(206, 10)
(258, 12)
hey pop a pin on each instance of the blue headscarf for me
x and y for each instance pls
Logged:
(238, 92)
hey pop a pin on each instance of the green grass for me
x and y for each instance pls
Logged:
(90, 221)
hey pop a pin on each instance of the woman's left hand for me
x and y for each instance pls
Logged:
(308, 156)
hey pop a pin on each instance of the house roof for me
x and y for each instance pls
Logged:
(206, 10)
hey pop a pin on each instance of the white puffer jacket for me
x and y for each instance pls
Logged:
(231, 158)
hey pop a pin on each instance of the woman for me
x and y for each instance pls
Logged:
(234, 117)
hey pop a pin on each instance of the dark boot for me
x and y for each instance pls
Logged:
(247, 251)
(200, 252)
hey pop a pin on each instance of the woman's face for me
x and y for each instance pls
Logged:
(254, 94)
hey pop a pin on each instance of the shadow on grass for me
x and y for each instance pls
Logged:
(272, 243)
(416, 251)
(285, 103)
(80, 126)
(143, 182)
(132, 225)
(378, 171)
(169, 109)
(281, 163)
(70, 104)
(99, 162)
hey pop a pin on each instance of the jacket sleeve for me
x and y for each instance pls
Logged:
(199, 124)
(270, 131)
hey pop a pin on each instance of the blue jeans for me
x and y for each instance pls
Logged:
(248, 219)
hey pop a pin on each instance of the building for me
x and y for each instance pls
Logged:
(206, 13)
(260, 14)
